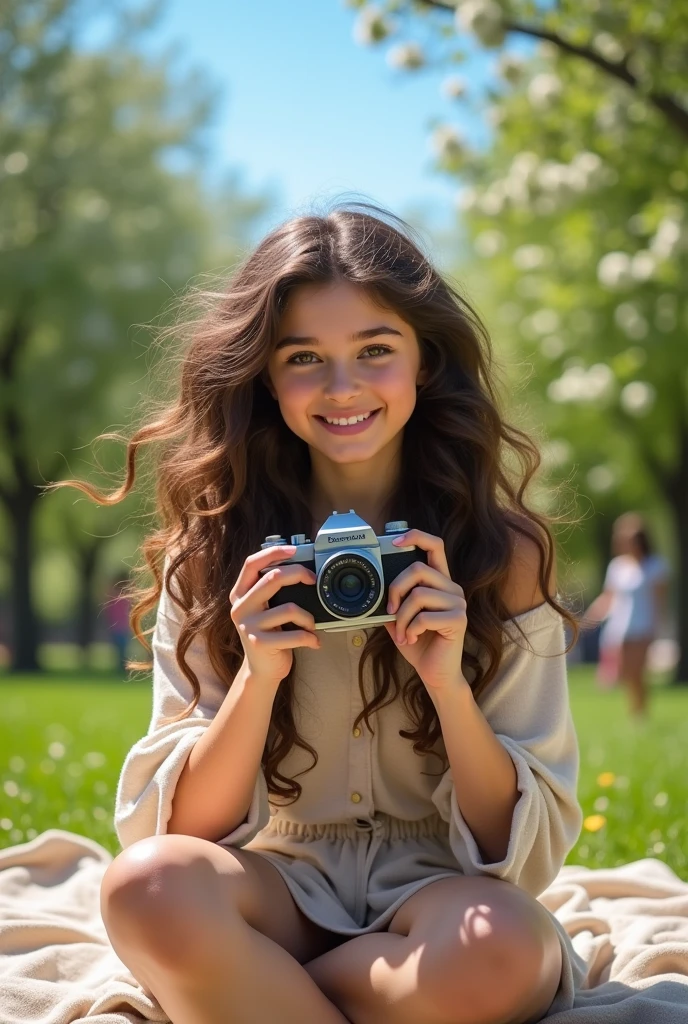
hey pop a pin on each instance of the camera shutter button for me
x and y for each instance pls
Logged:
(298, 538)
(396, 526)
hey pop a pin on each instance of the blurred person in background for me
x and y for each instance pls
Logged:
(117, 617)
(632, 605)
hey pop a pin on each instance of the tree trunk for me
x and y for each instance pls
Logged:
(25, 628)
(679, 500)
(88, 563)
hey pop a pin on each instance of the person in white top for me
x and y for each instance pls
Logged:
(631, 606)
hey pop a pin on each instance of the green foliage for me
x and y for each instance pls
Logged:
(576, 224)
(64, 743)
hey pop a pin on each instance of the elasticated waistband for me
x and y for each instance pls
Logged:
(383, 825)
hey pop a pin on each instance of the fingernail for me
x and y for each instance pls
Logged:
(390, 607)
(398, 540)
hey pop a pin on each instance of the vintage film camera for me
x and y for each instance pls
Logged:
(354, 569)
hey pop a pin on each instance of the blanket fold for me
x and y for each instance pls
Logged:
(629, 925)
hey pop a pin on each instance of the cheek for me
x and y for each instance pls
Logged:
(294, 395)
(397, 385)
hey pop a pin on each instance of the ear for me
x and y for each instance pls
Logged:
(421, 377)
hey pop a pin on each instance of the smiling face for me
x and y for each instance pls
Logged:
(340, 357)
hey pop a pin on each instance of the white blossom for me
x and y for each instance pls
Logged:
(16, 163)
(484, 19)
(556, 452)
(552, 346)
(609, 47)
(544, 89)
(453, 87)
(601, 478)
(638, 397)
(492, 201)
(489, 243)
(670, 238)
(545, 321)
(446, 142)
(371, 26)
(529, 257)
(614, 270)
(577, 384)
(510, 68)
(631, 321)
(643, 265)
(467, 199)
(406, 56)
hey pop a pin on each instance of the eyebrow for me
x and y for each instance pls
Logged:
(370, 332)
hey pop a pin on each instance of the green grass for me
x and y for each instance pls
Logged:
(63, 740)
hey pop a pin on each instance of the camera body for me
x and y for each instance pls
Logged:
(353, 569)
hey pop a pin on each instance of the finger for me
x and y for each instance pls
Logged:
(250, 570)
(419, 599)
(282, 640)
(283, 613)
(269, 584)
(434, 546)
(415, 574)
(447, 623)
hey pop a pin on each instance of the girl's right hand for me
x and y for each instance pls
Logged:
(267, 647)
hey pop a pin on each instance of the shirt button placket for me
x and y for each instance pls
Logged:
(359, 766)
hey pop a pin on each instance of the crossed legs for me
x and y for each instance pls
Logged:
(215, 936)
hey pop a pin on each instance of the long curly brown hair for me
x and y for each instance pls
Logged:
(229, 471)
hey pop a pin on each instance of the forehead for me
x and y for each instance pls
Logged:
(331, 305)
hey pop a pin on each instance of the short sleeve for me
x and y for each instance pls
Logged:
(610, 577)
(151, 769)
(527, 706)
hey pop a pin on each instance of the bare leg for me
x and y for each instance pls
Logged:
(214, 934)
(633, 658)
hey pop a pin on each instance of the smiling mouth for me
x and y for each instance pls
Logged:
(348, 424)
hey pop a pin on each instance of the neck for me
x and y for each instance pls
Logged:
(365, 487)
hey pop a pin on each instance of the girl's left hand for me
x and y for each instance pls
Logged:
(431, 621)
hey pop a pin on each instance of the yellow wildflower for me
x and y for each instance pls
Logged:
(606, 779)
(594, 822)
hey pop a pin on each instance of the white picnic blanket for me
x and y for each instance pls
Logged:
(628, 924)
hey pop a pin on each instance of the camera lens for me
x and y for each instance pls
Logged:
(349, 585)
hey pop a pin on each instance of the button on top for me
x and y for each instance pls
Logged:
(356, 731)
(357, 640)
(356, 798)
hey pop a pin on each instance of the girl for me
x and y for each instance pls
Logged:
(632, 605)
(348, 826)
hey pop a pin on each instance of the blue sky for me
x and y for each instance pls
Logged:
(307, 112)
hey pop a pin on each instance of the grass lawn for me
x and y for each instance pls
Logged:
(63, 740)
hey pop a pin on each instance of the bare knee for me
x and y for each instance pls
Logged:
(501, 966)
(159, 893)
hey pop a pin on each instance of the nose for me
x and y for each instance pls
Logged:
(341, 384)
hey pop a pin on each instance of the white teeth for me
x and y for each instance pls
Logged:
(344, 422)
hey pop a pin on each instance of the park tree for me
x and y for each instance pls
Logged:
(102, 219)
(577, 212)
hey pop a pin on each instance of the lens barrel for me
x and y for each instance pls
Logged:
(349, 585)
